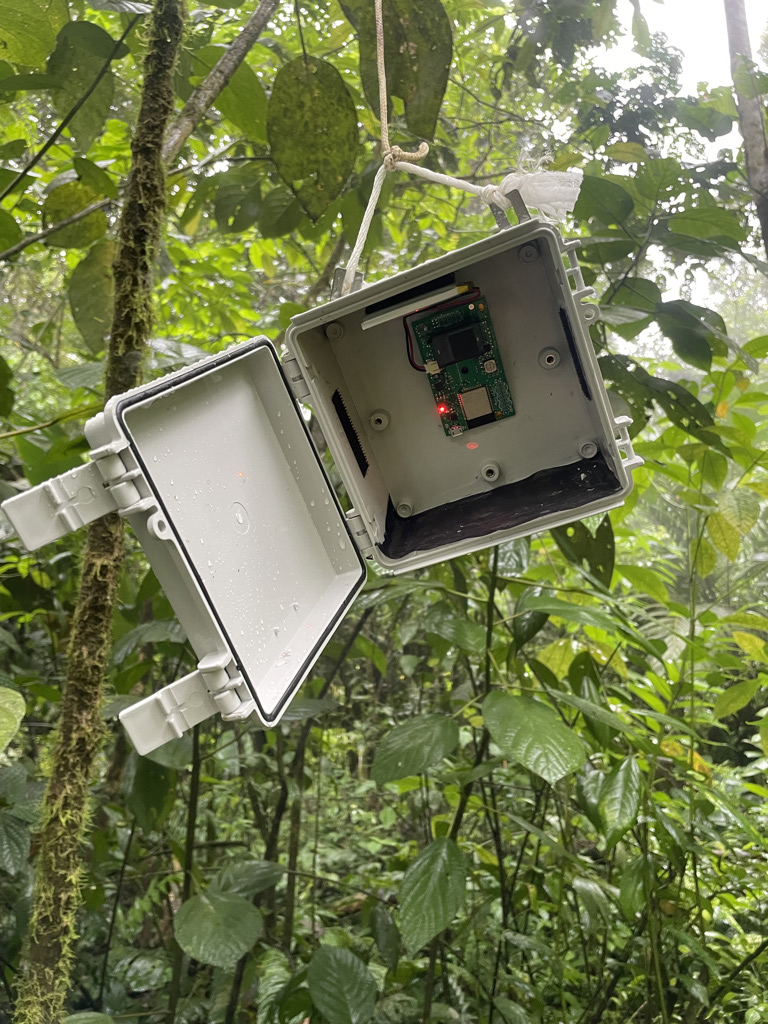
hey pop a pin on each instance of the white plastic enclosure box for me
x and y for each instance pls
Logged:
(421, 496)
(214, 468)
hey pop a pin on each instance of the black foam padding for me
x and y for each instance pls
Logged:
(479, 515)
(349, 432)
(565, 321)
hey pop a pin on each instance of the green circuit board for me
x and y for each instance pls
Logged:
(461, 356)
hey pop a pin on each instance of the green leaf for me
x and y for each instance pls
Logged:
(583, 677)
(619, 801)
(585, 615)
(645, 580)
(749, 80)
(469, 636)
(724, 535)
(603, 199)
(7, 395)
(10, 230)
(147, 633)
(341, 986)
(152, 793)
(243, 100)
(656, 177)
(418, 50)
(33, 82)
(736, 697)
(705, 557)
(596, 552)
(741, 508)
(526, 624)
(63, 202)
(217, 928)
(636, 293)
(627, 152)
(249, 877)
(27, 34)
(709, 222)
(12, 711)
(686, 327)
(280, 214)
(750, 644)
(386, 935)
(312, 131)
(95, 177)
(532, 734)
(632, 887)
(92, 294)
(431, 893)
(176, 753)
(81, 50)
(413, 747)
(14, 843)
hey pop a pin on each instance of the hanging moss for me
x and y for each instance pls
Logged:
(49, 952)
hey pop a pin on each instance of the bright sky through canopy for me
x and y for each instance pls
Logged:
(697, 27)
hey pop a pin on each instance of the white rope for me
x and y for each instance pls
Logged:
(552, 193)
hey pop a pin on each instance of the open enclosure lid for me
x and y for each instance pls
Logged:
(214, 468)
(225, 451)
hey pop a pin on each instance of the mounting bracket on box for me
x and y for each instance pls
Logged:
(462, 404)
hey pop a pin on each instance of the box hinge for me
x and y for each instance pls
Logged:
(359, 533)
(172, 711)
(295, 378)
(624, 443)
(60, 505)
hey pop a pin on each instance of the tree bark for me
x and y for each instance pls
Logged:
(751, 117)
(205, 94)
(49, 953)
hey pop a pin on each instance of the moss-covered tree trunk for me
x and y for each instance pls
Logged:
(49, 953)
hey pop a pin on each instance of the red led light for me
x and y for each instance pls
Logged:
(442, 409)
(472, 445)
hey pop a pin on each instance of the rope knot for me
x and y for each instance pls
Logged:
(395, 154)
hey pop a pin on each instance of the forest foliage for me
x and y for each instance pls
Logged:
(525, 786)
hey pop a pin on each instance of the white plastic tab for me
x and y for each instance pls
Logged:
(58, 506)
(169, 713)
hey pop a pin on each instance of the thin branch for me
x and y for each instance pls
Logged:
(216, 80)
(6, 254)
(70, 414)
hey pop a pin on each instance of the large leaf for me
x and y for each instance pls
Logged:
(341, 986)
(386, 934)
(682, 408)
(596, 552)
(243, 100)
(531, 733)
(79, 57)
(469, 636)
(619, 800)
(736, 697)
(92, 294)
(724, 535)
(249, 877)
(418, 49)
(414, 746)
(7, 395)
(526, 624)
(605, 200)
(152, 793)
(12, 709)
(27, 32)
(63, 202)
(14, 843)
(431, 893)
(217, 928)
(10, 230)
(709, 222)
(312, 131)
